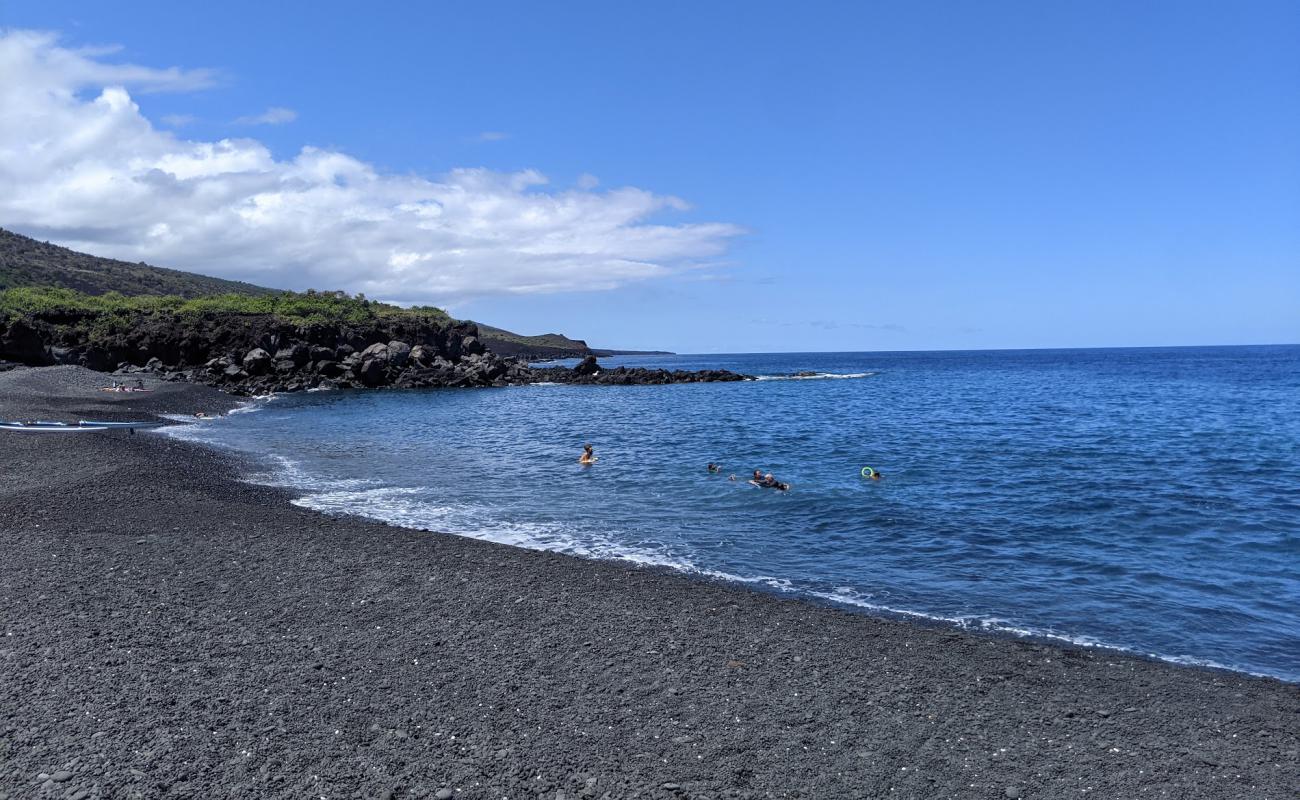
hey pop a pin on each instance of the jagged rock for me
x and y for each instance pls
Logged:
(371, 371)
(298, 354)
(398, 353)
(378, 350)
(472, 346)
(587, 367)
(421, 355)
(234, 372)
(257, 361)
(329, 369)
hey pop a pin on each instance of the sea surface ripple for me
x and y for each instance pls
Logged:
(1143, 499)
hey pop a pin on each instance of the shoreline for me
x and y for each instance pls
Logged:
(162, 617)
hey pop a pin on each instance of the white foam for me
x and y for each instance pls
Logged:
(818, 376)
(254, 403)
(847, 596)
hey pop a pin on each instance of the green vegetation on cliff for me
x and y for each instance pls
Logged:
(300, 308)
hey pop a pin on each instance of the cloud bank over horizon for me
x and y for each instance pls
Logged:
(82, 166)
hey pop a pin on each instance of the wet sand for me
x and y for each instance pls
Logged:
(169, 631)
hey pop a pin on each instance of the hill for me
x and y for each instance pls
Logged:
(547, 346)
(27, 262)
(534, 348)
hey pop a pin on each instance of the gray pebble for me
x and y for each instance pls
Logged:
(1014, 791)
(61, 776)
(443, 794)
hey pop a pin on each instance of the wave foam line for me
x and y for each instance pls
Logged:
(818, 376)
(849, 597)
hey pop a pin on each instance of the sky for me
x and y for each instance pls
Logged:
(690, 176)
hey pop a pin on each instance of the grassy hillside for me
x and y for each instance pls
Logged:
(295, 307)
(27, 262)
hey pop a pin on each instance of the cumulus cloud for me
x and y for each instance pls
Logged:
(81, 165)
(275, 115)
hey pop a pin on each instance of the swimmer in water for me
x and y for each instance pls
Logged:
(588, 455)
(767, 481)
(715, 469)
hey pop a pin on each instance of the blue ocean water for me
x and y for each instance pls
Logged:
(1145, 499)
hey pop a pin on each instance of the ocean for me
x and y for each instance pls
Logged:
(1141, 499)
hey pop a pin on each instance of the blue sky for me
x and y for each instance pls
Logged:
(860, 176)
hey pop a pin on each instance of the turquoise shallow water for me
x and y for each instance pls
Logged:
(1147, 499)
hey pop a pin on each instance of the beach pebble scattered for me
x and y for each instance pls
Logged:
(444, 794)
(61, 775)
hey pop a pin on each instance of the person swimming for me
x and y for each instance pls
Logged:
(714, 469)
(588, 455)
(767, 481)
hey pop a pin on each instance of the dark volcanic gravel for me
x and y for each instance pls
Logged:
(167, 631)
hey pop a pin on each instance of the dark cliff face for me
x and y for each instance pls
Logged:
(262, 353)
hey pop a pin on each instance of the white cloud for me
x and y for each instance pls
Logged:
(81, 165)
(178, 120)
(493, 136)
(275, 115)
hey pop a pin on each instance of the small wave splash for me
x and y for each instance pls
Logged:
(817, 376)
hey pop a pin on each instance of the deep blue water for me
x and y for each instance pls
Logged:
(1147, 499)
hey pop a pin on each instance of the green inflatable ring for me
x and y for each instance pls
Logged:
(868, 472)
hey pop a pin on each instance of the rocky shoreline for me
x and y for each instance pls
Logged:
(261, 354)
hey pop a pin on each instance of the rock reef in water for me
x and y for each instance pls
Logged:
(248, 354)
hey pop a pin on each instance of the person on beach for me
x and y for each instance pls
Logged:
(588, 455)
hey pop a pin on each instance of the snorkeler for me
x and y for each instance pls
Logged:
(588, 455)
(767, 481)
